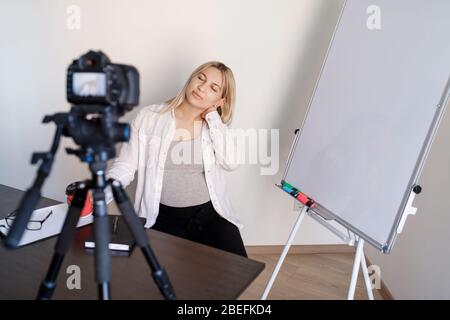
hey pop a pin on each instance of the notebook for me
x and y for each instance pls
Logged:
(120, 236)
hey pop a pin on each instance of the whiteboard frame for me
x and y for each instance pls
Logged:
(413, 181)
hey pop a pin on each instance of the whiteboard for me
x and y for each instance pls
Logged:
(373, 115)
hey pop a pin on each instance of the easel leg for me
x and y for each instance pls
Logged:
(285, 251)
(354, 279)
(366, 277)
(360, 259)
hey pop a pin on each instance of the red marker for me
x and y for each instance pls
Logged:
(305, 200)
(302, 198)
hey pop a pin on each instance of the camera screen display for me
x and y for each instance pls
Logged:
(89, 84)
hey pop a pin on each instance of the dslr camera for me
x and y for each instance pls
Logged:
(93, 80)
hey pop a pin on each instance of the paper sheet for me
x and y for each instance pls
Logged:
(52, 226)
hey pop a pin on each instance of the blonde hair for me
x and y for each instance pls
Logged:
(228, 92)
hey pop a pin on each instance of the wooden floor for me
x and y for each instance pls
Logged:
(307, 276)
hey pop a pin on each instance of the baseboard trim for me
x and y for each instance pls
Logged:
(385, 293)
(301, 249)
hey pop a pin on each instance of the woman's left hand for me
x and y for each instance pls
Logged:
(212, 108)
(208, 110)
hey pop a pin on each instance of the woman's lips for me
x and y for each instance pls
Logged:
(195, 94)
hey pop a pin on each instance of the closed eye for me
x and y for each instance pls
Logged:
(203, 77)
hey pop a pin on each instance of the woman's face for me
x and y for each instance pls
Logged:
(205, 89)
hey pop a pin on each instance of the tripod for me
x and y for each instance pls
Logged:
(101, 236)
(96, 154)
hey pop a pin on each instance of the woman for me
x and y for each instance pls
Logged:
(177, 194)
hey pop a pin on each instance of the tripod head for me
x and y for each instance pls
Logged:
(94, 128)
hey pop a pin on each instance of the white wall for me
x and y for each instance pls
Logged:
(275, 49)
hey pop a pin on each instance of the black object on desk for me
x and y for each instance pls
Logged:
(121, 238)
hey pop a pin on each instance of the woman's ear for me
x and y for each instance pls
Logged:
(221, 102)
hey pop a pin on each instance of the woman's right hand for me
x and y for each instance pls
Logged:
(87, 209)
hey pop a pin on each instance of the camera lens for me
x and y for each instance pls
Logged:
(91, 62)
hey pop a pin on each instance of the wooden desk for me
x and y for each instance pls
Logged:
(196, 271)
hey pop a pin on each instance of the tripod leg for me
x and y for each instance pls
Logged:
(137, 229)
(48, 285)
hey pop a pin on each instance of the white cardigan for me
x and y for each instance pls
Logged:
(146, 152)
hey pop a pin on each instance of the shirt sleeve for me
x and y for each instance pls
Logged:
(224, 143)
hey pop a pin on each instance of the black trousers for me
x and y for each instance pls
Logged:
(200, 223)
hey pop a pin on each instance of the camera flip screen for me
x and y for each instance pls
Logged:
(89, 84)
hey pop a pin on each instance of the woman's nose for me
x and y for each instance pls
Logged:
(203, 87)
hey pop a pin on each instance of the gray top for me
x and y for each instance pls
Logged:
(184, 182)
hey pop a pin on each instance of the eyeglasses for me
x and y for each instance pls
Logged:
(32, 225)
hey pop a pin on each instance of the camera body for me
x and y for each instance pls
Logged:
(94, 80)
